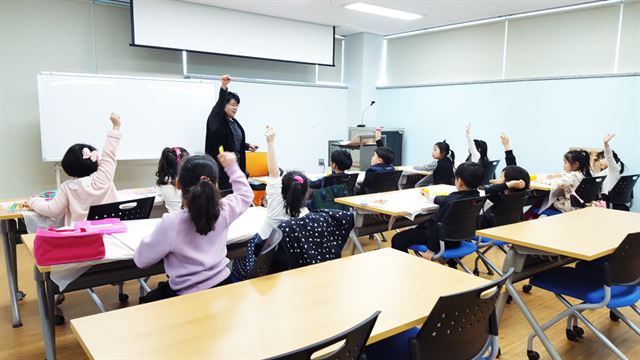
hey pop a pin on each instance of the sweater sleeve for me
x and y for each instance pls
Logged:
(217, 114)
(107, 163)
(53, 208)
(238, 202)
(155, 246)
(475, 155)
(509, 158)
(614, 167)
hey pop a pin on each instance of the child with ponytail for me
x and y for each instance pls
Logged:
(167, 175)
(192, 242)
(576, 167)
(286, 196)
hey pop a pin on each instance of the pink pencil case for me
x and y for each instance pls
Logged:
(102, 226)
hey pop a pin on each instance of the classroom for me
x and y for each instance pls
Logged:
(313, 179)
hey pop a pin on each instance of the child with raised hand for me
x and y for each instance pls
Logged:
(286, 195)
(509, 158)
(192, 242)
(92, 182)
(608, 164)
(167, 175)
(478, 149)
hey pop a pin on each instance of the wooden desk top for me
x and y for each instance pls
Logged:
(278, 313)
(584, 234)
(409, 170)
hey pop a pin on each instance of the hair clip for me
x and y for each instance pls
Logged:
(178, 154)
(299, 179)
(88, 154)
(205, 178)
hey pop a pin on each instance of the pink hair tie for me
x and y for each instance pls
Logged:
(299, 179)
(88, 154)
(205, 178)
(178, 154)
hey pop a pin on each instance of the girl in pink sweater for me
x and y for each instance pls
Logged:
(93, 183)
(192, 242)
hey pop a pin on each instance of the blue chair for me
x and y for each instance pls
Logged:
(460, 326)
(614, 288)
(458, 225)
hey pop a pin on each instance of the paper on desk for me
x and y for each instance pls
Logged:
(409, 202)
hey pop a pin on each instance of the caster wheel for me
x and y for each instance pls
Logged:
(578, 330)
(58, 320)
(123, 298)
(526, 288)
(613, 316)
(571, 335)
(533, 355)
(476, 272)
(20, 295)
(499, 353)
(509, 299)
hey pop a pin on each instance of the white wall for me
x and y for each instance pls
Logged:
(542, 118)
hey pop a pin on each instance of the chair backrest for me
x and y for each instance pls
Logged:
(509, 209)
(461, 220)
(412, 180)
(489, 171)
(324, 198)
(383, 181)
(262, 264)
(622, 191)
(124, 210)
(623, 267)
(459, 324)
(257, 164)
(354, 340)
(349, 180)
(588, 190)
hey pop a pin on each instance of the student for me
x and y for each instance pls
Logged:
(576, 168)
(286, 196)
(513, 178)
(441, 167)
(509, 158)
(608, 164)
(341, 161)
(468, 177)
(381, 161)
(192, 242)
(92, 183)
(478, 149)
(167, 174)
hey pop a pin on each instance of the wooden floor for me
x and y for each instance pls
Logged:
(26, 342)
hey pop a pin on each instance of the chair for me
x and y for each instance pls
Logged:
(383, 181)
(622, 192)
(587, 191)
(333, 187)
(263, 264)
(614, 288)
(411, 181)
(353, 347)
(124, 210)
(508, 211)
(460, 326)
(489, 171)
(349, 180)
(459, 224)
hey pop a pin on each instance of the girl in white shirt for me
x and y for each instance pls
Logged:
(167, 174)
(608, 164)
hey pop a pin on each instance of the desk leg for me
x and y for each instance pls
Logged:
(356, 242)
(9, 248)
(47, 307)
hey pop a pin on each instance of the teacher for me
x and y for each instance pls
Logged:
(224, 130)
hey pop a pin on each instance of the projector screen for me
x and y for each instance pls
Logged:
(181, 25)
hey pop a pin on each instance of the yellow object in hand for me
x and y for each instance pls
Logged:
(425, 190)
(221, 149)
(533, 177)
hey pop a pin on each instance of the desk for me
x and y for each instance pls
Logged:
(278, 313)
(9, 227)
(584, 234)
(112, 272)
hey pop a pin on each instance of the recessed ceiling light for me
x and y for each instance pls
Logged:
(382, 11)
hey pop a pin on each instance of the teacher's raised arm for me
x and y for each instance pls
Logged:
(224, 130)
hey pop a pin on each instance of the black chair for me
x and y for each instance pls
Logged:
(135, 209)
(507, 211)
(349, 180)
(353, 347)
(622, 192)
(489, 171)
(333, 187)
(383, 181)
(263, 264)
(124, 210)
(412, 180)
(460, 326)
(459, 224)
(587, 191)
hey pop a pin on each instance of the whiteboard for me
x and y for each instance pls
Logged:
(160, 112)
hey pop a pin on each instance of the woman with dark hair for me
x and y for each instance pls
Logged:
(224, 130)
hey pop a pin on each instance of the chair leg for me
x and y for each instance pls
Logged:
(636, 309)
(463, 266)
(378, 242)
(144, 288)
(633, 326)
(96, 300)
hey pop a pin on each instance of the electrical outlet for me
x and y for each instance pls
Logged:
(320, 162)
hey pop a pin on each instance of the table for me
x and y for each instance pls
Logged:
(274, 314)
(584, 234)
(245, 227)
(10, 223)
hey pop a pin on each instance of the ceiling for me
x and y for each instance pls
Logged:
(435, 12)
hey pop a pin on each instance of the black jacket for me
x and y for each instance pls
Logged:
(219, 133)
(443, 174)
(444, 202)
